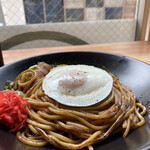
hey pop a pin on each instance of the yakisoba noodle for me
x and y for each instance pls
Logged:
(68, 127)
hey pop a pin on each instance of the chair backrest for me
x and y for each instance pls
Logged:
(145, 21)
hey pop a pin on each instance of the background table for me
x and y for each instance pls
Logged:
(139, 50)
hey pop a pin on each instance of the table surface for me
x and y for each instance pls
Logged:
(139, 50)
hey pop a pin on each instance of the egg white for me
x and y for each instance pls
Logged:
(77, 85)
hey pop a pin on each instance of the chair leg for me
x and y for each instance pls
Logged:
(1, 58)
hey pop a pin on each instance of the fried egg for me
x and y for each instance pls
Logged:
(77, 85)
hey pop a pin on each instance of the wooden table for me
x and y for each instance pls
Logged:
(139, 50)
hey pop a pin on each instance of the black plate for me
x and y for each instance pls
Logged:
(133, 73)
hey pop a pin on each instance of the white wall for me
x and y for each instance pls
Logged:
(13, 11)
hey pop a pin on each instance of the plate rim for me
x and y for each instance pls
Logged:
(67, 52)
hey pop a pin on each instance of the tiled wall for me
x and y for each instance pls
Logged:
(39, 11)
(89, 10)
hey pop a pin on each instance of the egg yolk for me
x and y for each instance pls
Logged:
(72, 80)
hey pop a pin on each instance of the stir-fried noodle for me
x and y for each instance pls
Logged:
(68, 127)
